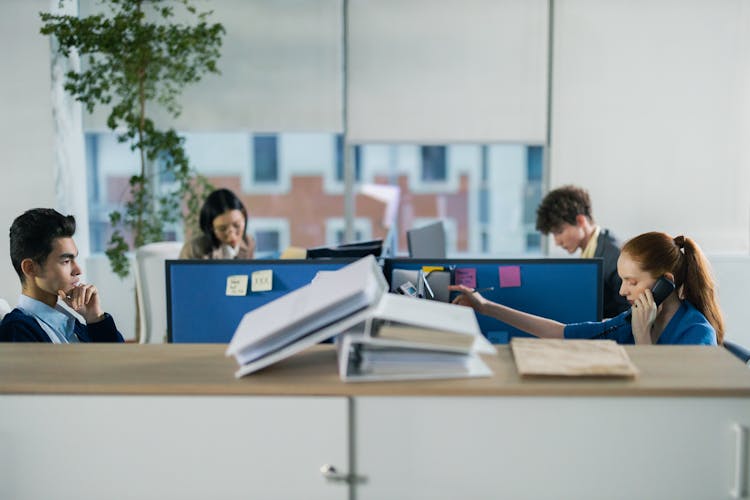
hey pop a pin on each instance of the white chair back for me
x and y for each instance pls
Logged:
(151, 286)
(4, 308)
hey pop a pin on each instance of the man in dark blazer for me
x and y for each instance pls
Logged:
(566, 213)
(44, 255)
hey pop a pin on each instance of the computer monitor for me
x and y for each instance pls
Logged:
(358, 249)
(427, 242)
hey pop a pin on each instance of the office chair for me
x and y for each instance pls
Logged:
(151, 287)
(741, 352)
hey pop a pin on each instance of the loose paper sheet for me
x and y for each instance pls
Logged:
(601, 358)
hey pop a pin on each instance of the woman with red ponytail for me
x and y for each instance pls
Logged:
(688, 315)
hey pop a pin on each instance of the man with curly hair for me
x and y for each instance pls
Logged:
(566, 213)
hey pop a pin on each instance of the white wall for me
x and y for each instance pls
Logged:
(26, 130)
(732, 273)
(651, 112)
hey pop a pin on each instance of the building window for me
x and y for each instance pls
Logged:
(532, 196)
(265, 158)
(533, 242)
(434, 167)
(340, 236)
(484, 245)
(492, 193)
(340, 160)
(267, 241)
(534, 165)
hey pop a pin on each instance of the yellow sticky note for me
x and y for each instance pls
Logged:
(429, 269)
(237, 285)
(262, 281)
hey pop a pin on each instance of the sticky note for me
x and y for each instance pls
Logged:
(429, 269)
(466, 276)
(510, 276)
(237, 285)
(262, 281)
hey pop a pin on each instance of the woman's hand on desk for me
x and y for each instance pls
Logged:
(468, 297)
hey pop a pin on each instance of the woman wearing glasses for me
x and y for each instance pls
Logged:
(223, 222)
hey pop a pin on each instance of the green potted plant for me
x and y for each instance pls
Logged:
(136, 57)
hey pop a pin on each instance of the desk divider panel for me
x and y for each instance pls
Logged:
(566, 290)
(198, 307)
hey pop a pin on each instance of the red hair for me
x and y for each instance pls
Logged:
(659, 253)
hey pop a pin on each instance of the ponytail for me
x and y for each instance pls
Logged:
(698, 285)
(659, 253)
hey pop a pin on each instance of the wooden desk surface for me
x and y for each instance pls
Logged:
(202, 369)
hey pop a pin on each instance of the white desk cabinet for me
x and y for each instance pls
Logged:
(548, 448)
(171, 421)
(170, 447)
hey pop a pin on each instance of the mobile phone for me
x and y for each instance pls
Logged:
(661, 290)
(408, 288)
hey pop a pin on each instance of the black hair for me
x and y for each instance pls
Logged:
(32, 234)
(217, 203)
(561, 206)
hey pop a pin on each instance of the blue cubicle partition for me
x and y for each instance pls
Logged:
(566, 290)
(200, 311)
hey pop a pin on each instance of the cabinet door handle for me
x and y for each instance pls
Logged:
(331, 474)
(740, 462)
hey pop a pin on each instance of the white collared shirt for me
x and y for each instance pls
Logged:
(56, 322)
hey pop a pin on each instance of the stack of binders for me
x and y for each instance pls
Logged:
(408, 339)
(382, 336)
(331, 303)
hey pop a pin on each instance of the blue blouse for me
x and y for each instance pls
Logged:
(687, 326)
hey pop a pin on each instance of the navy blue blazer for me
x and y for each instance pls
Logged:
(17, 326)
(608, 248)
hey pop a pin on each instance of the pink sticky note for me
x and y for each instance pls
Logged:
(510, 276)
(466, 276)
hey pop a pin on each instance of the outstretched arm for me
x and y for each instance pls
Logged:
(529, 323)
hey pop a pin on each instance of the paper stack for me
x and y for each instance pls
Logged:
(383, 336)
(332, 303)
(406, 338)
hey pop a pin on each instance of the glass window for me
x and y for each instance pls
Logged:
(98, 218)
(481, 197)
(488, 201)
(267, 241)
(340, 236)
(533, 197)
(340, 160)
(485, 242)
(534, 242)
(280, 147)
(265, 158)
(434, 167)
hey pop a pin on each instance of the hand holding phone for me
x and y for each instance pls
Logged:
(662, 289)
